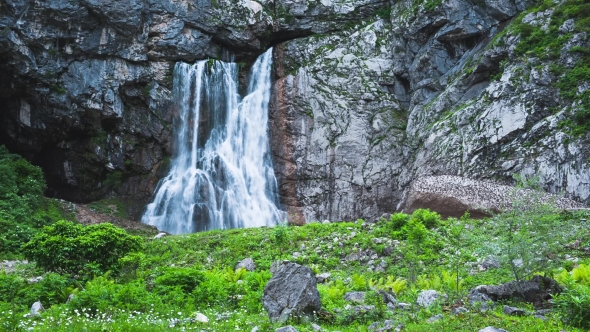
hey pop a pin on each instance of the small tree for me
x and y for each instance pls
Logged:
(72, 248)
(528, 232)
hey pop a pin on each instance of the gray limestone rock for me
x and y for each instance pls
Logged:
(513, 311)
(537, 290)
(492, 329)
(36, 309)
(287, 328)
(246, 263)
(291, 292)
(427, 298)
(358, 297)
(322, 277)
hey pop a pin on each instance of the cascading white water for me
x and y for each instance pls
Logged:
(221, 174)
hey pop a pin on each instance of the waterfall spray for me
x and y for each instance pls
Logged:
(221, 173)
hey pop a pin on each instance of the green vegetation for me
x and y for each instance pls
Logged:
(110, 206)
(113, 281)
(549, 44)
(165, 284)
(67, 247)
(23, 209)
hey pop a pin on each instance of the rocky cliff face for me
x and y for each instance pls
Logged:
(466, 88)
(369, 94)
(86, 85)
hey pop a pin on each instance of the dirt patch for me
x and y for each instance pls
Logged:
(88, 216)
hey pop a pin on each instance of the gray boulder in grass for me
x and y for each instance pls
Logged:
(291, 292)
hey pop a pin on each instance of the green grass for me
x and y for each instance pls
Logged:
(163, 286)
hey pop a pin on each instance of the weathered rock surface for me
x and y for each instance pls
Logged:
(492, 329)
(86, 85)
(455, 195)
(358, 115)
(291, 292)
(369, 96)
(246, 263)
(358, 297)
(426, 298)
(538, 290)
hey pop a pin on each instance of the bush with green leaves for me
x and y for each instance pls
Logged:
(23, 209)
(573, 304)
(72, 248)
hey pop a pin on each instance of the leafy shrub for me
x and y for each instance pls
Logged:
(215, 290)
(581, 274)
(398, 285)
(428, 218)
(72, 248)
(398, 220)
(574, 305)
(186, 278)
(23, 209)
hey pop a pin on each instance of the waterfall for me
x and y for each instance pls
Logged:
(221, 173)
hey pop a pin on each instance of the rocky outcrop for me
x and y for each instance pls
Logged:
(369, 95)
(86, 85)
(538, 290)
(291, 293)
(452, 196)
(434, 88)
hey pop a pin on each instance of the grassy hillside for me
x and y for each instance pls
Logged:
(100, 278)
(167, 281)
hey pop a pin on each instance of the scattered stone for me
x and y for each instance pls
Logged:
(387, 251)
(386, 326)
(541, 317)
(255, 329)
(291, 292)
(427, 297)
(296, 254)
(199, 317)
(373, 326)
(490, 262)
(10, 266)
(70, 298)
(36, 309)
(434, 318)
(567, 26)
(246, 263)
(358, 297)
(513, 311)
(538, 290)
(321, 278)
(159, 235)
(34, 280)
(542, 312)
(316, 327)
(404, 306)
(459, 310)
(326, 221)
(362, 309)
(491, 329)
(479, 300)
(287, 328)
(388, 297)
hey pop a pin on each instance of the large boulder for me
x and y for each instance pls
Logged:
(291, 292)
(538, 290)
(452, 196)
